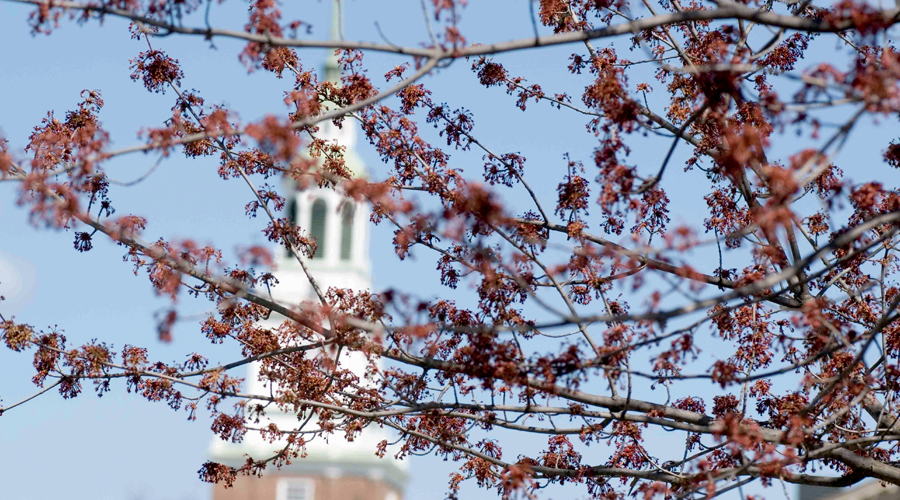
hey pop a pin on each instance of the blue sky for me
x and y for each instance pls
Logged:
(121, 447)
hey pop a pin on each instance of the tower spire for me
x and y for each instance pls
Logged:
(332, 68)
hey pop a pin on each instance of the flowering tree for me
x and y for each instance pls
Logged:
(585, 325)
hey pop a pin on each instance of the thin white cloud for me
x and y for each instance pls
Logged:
(17, 283)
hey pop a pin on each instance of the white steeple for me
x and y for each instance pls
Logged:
(342, 260)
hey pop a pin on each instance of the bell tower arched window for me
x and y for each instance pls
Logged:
(317, 226)
(347, 232)
(293, 216)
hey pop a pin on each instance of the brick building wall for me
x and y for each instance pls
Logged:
(323, 488)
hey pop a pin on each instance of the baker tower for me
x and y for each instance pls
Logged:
(334, 469)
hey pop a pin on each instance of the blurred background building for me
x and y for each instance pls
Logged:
(874, 490)
(333, 469)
